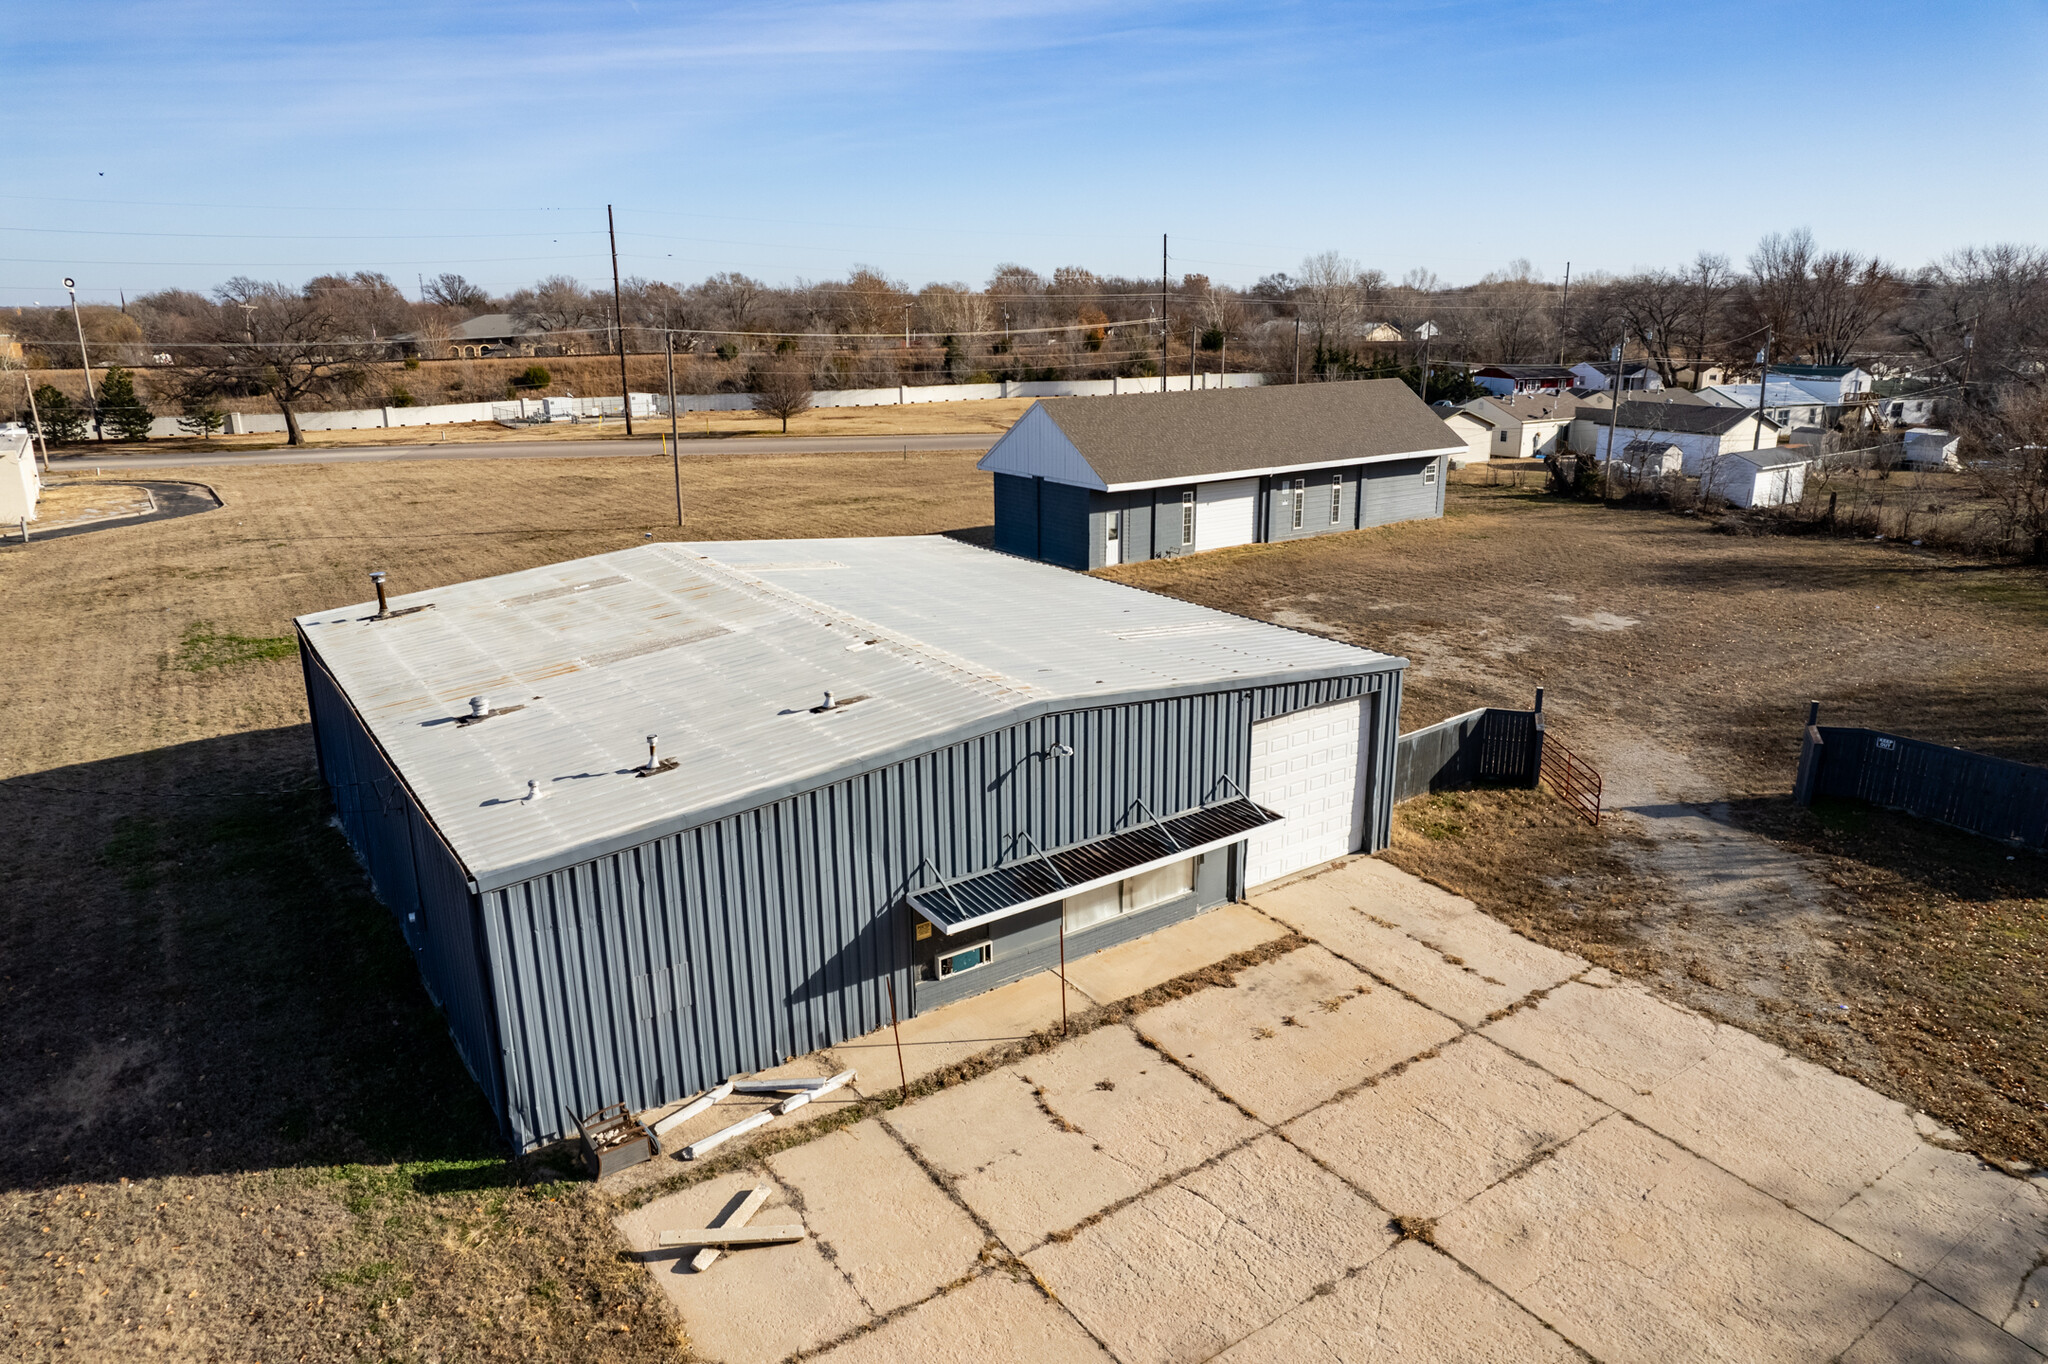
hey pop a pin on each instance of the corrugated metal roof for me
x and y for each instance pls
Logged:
(723, 649)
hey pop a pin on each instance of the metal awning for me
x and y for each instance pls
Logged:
(1034, 880)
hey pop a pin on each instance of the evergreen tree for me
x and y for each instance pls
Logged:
(62, 421)
(121, 408)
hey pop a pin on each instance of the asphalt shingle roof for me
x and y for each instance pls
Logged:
(1148, 437)
(1696, 419)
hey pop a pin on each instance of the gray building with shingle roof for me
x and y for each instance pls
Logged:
(1091, 482)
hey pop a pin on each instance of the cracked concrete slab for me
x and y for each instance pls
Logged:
(1822, 1136)
(2028, 1319)
(1437, 946)
(740, 1310)
(1410, 1303)
(1422, 1142)
(996, 1319)
(1191, 1268)
(1971, 1231)
(1293, 1032)
(1635, 1250)
(1042, 1144)
(879, 1216)
(1617, 1041)
(1926, 1328)
(1134, 967)
(945, 1037)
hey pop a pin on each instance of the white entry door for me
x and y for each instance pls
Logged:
(1309, 768)
(1113, 539)
(1226, 513)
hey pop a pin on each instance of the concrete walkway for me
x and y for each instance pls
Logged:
(1418, 1137)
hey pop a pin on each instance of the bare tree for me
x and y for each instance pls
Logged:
(559, 307)
(1816, 303)
(1710, 282)
(1329, 295)
(735, 298)
(870, 303)
(279, 341)
(1995, 295)
(453, 291)
(1511, 318)
(782, 390)
(2011, 445)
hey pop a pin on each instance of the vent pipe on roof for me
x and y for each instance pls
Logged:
(383, 606)
(533, 791)
(479, 707)
(828, 702)
(651, 740)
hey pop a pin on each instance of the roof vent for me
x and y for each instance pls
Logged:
(654, 768)
(384, 611)
(480, 711)
(533, 792)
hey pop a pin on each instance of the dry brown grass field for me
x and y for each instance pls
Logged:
(236, 1129)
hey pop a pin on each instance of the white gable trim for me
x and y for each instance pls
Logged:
(1187, 480)
(1036, 448)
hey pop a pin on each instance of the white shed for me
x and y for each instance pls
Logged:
(1762, 478)
(1477, 433)
(1928, 448)
(20, 485)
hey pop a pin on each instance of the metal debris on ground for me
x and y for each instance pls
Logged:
(613, 1140)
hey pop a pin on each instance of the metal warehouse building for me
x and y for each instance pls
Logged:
(1009, 753)
(1090, 482)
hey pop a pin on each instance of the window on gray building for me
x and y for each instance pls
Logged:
(1187, 517)
(1300, 496)
(1336, 496)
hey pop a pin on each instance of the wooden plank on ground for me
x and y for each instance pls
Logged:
(796, 1101)
(691, 1109)
(725, 1134)
(732, 1236)
(738, 1217)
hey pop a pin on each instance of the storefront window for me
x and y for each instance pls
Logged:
(1133, 893)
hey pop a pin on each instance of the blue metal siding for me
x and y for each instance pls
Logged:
(787, 917)
(1016, 507)
(411, 870)
(1315, 512)
(1063, 524)
(1394, 491)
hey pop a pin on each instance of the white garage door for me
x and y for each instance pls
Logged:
(1226, 513)
(1308, 767)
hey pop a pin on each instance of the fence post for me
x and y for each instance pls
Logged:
(1536, 747)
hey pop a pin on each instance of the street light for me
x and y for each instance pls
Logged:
(71, 288)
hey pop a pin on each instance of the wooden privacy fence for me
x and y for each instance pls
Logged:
(1995, 797)
(1489, 745)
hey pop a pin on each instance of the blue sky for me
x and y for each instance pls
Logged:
(176, 143)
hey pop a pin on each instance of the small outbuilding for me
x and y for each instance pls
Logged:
(1478, 433)
(1091, 482)
(1928, 448)
(1762, 478)
(658, 817)
(21, 486)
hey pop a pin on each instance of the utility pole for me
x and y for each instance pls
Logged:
(1426, 334)
(1763, 387)
(71, 288)
(668, 347)
(1564, 311)
(37, 418)
(619, 319)
(1614, 408)
(1969, 354)
(1165, 327)
(1297, 350)
(1191, 354)
(906, 324)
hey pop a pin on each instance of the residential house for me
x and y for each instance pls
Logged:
(1635, 376)
(1835, 385)
(1907, 402)
(1700, 431)
(1786, 403)
(1509, 379)
(1090, 482)
(1531, 425)
(1475, 428)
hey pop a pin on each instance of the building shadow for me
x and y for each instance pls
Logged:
(198, 979)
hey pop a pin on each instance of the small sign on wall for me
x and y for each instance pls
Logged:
(1886, 743)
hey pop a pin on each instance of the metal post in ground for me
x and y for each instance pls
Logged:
(37, 418)
(902, 1075)
(84, 363)
(1063, 970)
(668, 346)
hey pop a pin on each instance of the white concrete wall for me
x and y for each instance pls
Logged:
(656, 404)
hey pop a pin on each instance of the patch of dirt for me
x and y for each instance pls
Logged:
(1679, 663)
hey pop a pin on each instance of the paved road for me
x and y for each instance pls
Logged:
(552, 449)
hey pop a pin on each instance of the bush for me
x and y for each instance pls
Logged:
(61, 419)
(401, 396)
(533, 376)
(412, 362)
(199, 417)
(122, 409)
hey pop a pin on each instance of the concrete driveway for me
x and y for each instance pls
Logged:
(1416, 1137)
